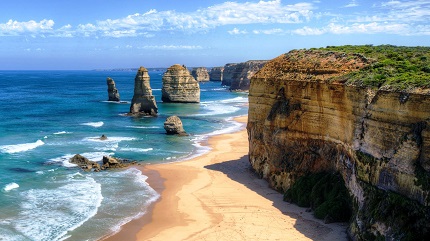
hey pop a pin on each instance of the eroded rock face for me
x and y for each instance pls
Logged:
(143, 102)
(112, 90)
(300, 123)
(108, 163)
(216, 74)
(173, 126)
(180, 86)
(200, 74)
(84, 163)
(238, 76)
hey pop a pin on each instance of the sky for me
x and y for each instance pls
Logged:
(104, 34)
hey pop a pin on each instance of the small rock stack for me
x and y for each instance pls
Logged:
(112, 90)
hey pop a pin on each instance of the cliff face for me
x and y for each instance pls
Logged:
(216, 74)
(238, 76)
(143, 102)
(300, 123)
(200, 74)
(113, 94)
(179, 86)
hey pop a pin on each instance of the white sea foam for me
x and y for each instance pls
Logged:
(10, 186)
(239, 99)
(213, 108)
(20, 147)
(48, 214)
(94, 124)
(136, 149)
(62, 133)
(144, 127)
(109, 139)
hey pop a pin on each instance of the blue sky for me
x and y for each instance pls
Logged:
(90, 34)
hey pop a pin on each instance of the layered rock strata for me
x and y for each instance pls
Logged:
(179, 86)
(216, 74)
(173, 126)
(379, 141)
(200, 74)
(143, 102)
(113, 94)
(238, 76)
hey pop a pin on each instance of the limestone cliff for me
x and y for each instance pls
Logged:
(113, 94)
(179, 86)
(305, 118)
(216, 74)
(200, 74)
(238, 76)
(143, 102)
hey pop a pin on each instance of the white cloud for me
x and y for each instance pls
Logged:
(13, 27)
(172, 47)
(236, 31)
(352, 4)
(269, 31)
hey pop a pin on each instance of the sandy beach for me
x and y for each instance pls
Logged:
(218, 197)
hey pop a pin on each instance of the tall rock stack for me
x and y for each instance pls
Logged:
(216, 74)
(180, 86)
(238, 76)
(200, 74)
(112, 90)
(143, 102)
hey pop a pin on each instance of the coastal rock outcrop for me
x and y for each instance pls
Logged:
(179, 86)
(216, 74)
(305, 118)
(238, 76)
(143, 102)
(108, 163)
(84, 163)
(173, 126)
(113, 94)
(200, 74)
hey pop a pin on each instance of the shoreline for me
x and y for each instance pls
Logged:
(216, 196)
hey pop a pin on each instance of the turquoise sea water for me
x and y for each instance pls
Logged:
(49, 116)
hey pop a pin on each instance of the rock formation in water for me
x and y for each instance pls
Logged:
(237, 76)
(216, 74)
(108, 163)
(179, 86)
(173, 126)
(306, 117)
(112, 90)
(143, 102)
(200, 74)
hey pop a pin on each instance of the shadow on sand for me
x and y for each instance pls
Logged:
(240, 170)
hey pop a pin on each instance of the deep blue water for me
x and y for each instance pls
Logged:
(49, 116)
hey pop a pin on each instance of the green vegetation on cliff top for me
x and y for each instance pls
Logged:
(391, 67)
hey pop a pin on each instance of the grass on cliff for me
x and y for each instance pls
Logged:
(393, 67)
(325, 193)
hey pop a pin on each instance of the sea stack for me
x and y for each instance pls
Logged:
(173, 126)
(112, 90)
(216, 74)
(200, 74)
(179, 86)
(143, 102)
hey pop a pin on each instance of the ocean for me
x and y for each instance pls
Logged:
(49, 116)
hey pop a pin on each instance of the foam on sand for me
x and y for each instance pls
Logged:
(20, 147)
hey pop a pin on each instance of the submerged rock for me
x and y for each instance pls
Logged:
(200, 74)
(173, 126)
(180, 86)
(112, 90)
(143, 102)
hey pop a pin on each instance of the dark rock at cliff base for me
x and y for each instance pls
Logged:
(173, 126)
(180, 86)
(113, 93)
(143, 102)
(84, 163)
(238, 76)
(200, 74)
(216, 74)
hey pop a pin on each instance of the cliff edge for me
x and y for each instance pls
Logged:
(348, 110)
